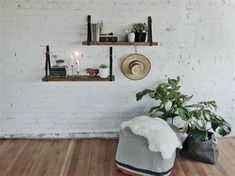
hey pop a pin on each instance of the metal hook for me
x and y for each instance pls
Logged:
(135, 49)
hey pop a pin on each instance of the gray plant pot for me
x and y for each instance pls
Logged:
(205, 151)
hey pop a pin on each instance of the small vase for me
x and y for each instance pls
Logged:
(140, 36)
(103, 72)
(131, 37)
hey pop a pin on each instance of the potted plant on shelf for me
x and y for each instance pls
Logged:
(59, 62)
(140, 30)
(103, 71)
(130, 35)
(200, 122)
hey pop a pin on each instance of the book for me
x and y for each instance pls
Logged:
(108, 39)
(59, 68)
(58, 71)
(58, 74)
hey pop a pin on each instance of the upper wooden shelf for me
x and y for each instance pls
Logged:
(76, 78)
(122, 43)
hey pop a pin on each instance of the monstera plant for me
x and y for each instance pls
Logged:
(201, 123)
(200, 120)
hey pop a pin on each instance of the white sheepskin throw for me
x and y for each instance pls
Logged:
(160, 136)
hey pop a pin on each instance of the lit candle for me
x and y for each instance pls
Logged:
(72, 58)
(77, 61)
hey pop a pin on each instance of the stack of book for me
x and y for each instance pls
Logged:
(59, 71)
(108, 38)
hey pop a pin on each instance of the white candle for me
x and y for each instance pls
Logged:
(72, 58)
(77, 61)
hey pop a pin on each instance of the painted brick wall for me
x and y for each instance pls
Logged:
(197, 42)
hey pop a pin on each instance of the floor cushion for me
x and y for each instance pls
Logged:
(134, 158)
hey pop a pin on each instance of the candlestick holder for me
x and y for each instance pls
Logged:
(78, 70)
(72, 69)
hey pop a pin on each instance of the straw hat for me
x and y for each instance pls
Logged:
(136, 66)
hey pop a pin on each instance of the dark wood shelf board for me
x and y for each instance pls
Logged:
(76, 78)
(122, 43)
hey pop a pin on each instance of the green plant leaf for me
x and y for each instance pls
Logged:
(214, 126)
(224, 129)
(208, 104)
(154, 110)
(183, 113)
(177, 80)
(174, 82)
(201, 125)
(185, 127)
(140, 95)
(214, 104)
(199, 135)
(173, 95)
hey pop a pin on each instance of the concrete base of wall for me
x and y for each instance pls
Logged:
(104, 135)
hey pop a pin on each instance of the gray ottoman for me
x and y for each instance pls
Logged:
(134, 158)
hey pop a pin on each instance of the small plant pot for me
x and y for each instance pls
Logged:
(140, 37)
(60, 64)
(204, 151)
(103, 72)
(131, 37)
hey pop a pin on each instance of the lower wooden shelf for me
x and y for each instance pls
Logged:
(76, 78)
(121, 43)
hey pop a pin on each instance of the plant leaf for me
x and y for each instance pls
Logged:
(185, 127)
(154, 110)
(177, 80)
(224, 129)
(199, 135)
(183, 113)
(140, 95)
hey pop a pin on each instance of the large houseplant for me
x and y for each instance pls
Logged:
(200, 120)
(170, 102)
(201, 123)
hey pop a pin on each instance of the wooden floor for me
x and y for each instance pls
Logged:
(93, 157)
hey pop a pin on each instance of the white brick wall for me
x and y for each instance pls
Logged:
(197, 42)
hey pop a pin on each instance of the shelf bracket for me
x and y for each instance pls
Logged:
(110, 63)
(150, 34)
(48, 62)
(88, 29)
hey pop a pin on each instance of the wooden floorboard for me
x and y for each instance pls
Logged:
(93, 157)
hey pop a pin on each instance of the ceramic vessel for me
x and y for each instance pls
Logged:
(131, 37)
(103, 72)
(140, 36)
